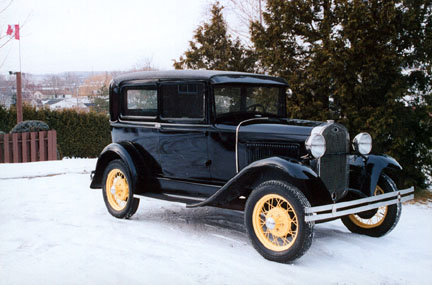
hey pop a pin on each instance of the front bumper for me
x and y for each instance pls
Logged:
(331, 211)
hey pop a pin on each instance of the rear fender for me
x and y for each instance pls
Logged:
(273, 168)
(366, 171)
(136, 159)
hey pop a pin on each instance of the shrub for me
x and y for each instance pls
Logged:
(30, 126)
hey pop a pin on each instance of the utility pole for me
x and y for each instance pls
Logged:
(260, 12)
(18, 96)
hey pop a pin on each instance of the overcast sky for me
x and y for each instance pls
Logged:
(97, 35)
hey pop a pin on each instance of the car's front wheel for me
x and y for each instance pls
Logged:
(377, 222)
(118, 192)
(274, 218)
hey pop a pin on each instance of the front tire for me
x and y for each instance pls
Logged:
(118, 191)
(376, 223)
(274, 218)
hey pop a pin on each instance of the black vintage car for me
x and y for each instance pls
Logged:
(223, 139)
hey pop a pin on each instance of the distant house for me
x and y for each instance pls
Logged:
(46, 93)
(67, 103)
(38, 95)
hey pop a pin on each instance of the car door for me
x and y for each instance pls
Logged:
(183, 131)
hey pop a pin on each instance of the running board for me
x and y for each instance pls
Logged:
(173, 198)
(330, 211)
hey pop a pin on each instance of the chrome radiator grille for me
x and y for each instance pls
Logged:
(257, 151)
(333, 166)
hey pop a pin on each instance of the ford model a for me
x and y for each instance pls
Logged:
(223, 139)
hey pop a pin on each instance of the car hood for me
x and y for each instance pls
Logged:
(283, 131)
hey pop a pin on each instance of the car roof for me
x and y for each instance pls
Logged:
(214, 76)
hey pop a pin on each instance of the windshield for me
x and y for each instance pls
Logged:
(249, 101)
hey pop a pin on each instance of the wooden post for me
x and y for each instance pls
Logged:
(51, 146)
(6, 148)
(1, 149)
(15, 153)
(33, 150)
(24, 151)
(19, 98)
(42, 156)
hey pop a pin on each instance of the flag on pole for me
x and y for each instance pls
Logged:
(13, 30)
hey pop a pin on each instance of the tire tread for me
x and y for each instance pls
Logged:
(308, 227)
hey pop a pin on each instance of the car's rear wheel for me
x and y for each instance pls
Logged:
(274, 218)
(378, 222)
(118, 192)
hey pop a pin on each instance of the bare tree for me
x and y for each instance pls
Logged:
(144, 64)
(244, 12)
(4, 38)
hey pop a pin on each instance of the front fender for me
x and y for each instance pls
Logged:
(273, 168)
(366, 171)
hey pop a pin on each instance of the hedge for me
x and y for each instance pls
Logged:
(79, 134)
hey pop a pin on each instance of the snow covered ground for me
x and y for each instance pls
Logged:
(55, 230)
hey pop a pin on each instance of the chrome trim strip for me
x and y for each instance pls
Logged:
(152, 124)
(236, 139)
(315, 213)
(185, 197)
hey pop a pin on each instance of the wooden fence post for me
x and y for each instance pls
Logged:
(33, 150)
(6, 148)
(24, 151)
(15, 152)
(51, 146)
(42, 146)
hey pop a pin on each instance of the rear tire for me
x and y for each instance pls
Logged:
(274, 218)
(117, 190)
(379, 222)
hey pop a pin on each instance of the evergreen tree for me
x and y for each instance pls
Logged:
(366, 64)
(214, 49)
(101, 101)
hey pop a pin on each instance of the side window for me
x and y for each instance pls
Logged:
(183, 101)
(140, 102)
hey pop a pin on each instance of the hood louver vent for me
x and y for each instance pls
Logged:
(257, 151)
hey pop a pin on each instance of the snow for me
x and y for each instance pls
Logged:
(54, 229)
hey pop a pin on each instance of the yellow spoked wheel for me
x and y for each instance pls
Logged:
(117, 189)
(371, 222)
(275, 222)
(378, 222)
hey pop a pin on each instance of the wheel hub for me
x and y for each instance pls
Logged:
(278, 222)
(270, 223)
(120, 189)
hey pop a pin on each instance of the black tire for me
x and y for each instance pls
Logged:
(376, 223)
(268, 235)
(117, 169)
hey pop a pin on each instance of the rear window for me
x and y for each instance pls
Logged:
(183, 101)
(141, 102)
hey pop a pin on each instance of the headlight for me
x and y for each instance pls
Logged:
(316, 145)
(362, 143)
